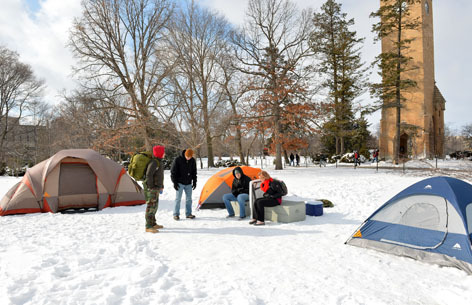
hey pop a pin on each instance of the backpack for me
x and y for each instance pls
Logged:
(284, 188)
(138, 165)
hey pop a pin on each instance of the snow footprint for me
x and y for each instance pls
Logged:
(48, 262)
(20, 294)
(117, 294)
(61, 271)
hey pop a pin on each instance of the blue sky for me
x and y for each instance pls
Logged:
(38, 31)
(34, 5)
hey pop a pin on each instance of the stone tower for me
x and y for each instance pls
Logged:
(422, 115)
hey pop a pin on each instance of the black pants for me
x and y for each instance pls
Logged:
(258, 208)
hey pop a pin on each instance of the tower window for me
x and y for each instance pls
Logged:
(426, 7)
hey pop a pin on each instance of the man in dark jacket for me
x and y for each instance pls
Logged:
(153, 185)
(183, 174)
(292, 158)
(239, 192)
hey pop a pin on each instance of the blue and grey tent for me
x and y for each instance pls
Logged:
(429, 221)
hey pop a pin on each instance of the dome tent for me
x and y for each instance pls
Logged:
(429, 221)
(73, 178)
(219, 184)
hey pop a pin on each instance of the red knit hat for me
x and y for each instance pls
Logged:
(158, 151)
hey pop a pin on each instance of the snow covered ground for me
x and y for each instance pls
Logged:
(106, 257)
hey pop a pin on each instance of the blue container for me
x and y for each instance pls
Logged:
(314, 208)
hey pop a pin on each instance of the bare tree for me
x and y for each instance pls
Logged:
(71, 124)
(37, 114)
(18, 87)
(119, 45)
(271, 47)
(467, 134)
(198, 40)
(234, 87)
(453, 141)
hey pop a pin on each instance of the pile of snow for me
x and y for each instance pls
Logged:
(106, 257)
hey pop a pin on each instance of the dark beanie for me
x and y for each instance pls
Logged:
(158, 151)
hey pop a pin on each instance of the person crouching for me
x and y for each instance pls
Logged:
(272, 197)
(239, 192)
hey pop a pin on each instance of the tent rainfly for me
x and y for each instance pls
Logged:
(220, 184)
(430, 221)
(74, 178)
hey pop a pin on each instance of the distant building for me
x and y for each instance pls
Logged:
(422, 118)
(25, 143)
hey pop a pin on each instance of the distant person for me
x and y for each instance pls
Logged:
(153, 185)
(239, 193)
(376, 155)
(356, 158)
(272, 197)
(297, 158)
(183, 174)
(292, 158)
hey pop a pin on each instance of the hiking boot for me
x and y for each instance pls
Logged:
(191, 216)
(252, 221)
(152, 230)
(158, 226)
(242, 218)
(176, 217)
(230, 216)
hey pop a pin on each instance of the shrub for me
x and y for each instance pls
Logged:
(228, 163)
(326, 203)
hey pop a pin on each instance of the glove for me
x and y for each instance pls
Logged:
(194, 186)
(176, 186)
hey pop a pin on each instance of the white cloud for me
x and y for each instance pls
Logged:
(40, 38)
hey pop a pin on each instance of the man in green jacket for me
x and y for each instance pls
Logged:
(153, 185)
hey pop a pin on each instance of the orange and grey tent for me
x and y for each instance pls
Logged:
(220, 184)
(72, 179)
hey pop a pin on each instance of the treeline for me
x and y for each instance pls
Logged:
(176, 73)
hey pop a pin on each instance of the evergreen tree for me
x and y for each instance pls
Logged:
(338, 51)
(394, 62)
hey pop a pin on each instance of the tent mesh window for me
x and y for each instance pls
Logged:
(468, 211)
(420, 221)
(77, 187)
(423, 215)
(76, 179)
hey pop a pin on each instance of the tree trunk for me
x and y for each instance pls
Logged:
(199, 156)
(278, 141)
(336, 141)
(208, 137)
(396, 149)
(238, 138)
(239, 145)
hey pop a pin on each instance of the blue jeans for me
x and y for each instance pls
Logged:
(188, 199)
(242, 198)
